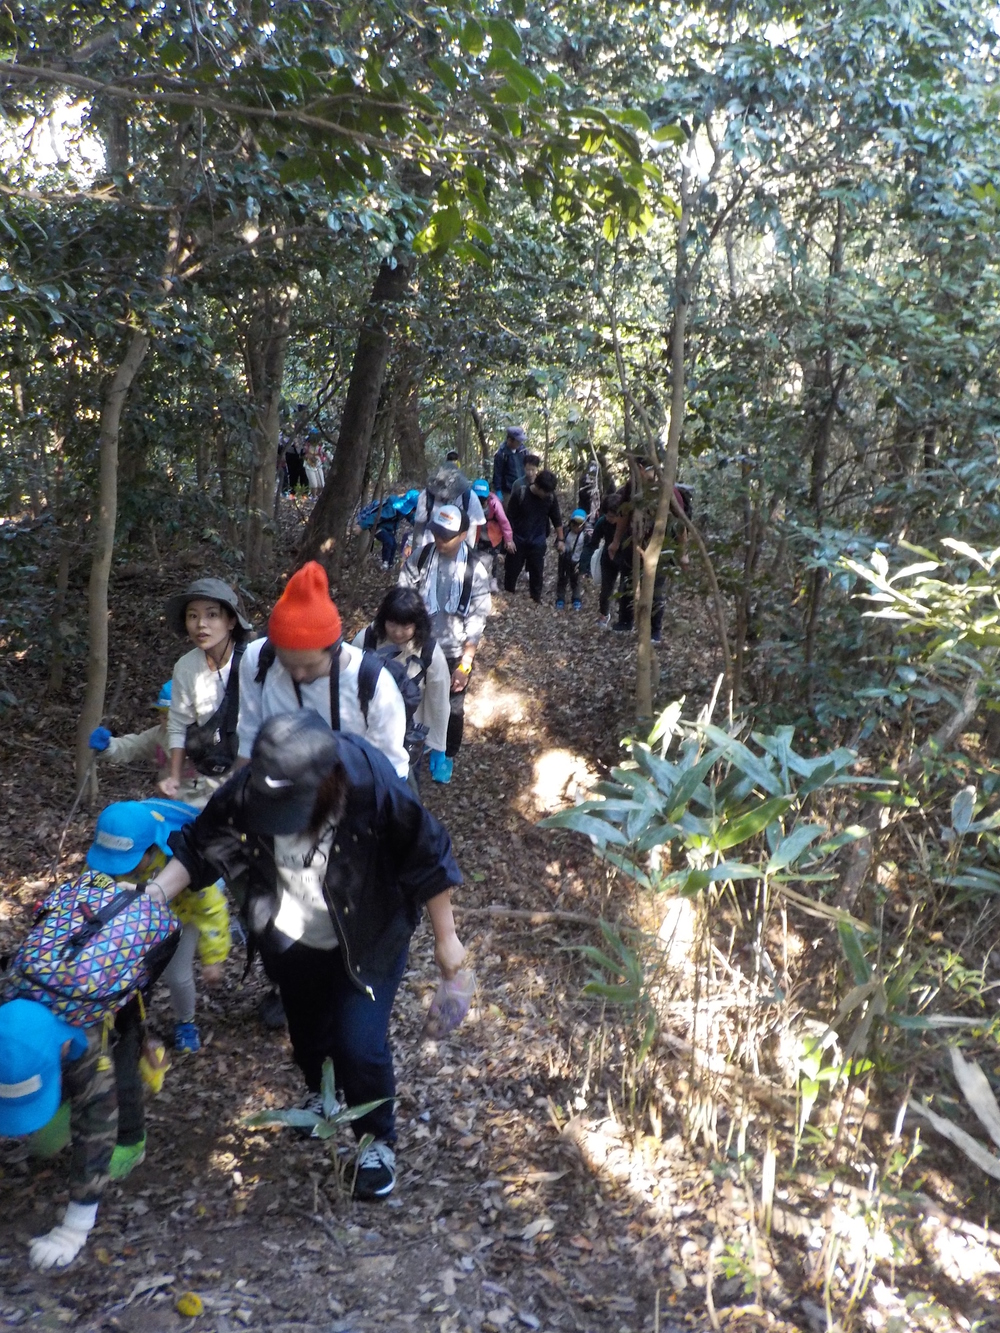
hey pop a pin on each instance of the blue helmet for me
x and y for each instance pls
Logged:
(481, 488)
(166, 694)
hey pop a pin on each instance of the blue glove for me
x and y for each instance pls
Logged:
(100, 739)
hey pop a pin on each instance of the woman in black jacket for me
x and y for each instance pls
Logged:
(339, 857)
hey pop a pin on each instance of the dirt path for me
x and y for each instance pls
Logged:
(518, 1205)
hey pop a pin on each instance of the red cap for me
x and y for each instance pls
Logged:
(304, 616)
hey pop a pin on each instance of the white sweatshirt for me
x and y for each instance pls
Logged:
(386, 714)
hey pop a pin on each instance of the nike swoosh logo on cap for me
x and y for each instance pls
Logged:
(278, 783)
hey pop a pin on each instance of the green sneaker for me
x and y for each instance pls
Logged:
(124, 1159)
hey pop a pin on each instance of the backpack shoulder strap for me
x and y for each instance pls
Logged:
(466, 500)
(465, 601)
(334, 692)
(265, 662)
(368, 673)
(370, 641)
(425, 554)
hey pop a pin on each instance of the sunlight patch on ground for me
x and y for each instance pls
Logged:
(561, 778)
(492, 705)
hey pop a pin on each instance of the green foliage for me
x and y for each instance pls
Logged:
(325, 1125)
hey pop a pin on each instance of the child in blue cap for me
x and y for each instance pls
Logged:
(45, 1059)
(569, 561)
(130, 844)
(42, 1059)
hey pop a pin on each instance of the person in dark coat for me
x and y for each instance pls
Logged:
(339, 858)
(508, 462)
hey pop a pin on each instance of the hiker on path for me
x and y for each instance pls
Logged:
(606, 572)
(124, 832)
(448, 485)
(150, 746)
(401, 631)
(314, 463)
(496, 533)
(205, 693)
(455, 587)
(340, 858)
(304, 663)
(569, 561)
(531, 513)
(508, 462)
(66, 1035)
(532, 466)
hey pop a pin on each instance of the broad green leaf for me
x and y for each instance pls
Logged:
(745, 760)
(963, 806)
(850, 942)
(749, 825)
(503, 34)
(581, 822)
(444, 227)
(791, 848)
(688, 783)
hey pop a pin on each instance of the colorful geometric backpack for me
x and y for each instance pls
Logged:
(91, 948)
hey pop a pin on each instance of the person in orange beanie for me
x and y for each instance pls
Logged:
(305, 663)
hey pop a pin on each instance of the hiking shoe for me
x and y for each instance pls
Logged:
(187, 1037)
(376, 1175)
(441, 766)
(560, 605)
(312, 1101)
(622, 629)
(655, 638)
(125, 1159)
(577, 604)
(604, 621)
(494, 586)
(271, 1011)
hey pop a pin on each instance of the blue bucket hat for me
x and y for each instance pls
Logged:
(578, 516)
(31, 1041)
(481, 488)
(166, 694)
(122, 836)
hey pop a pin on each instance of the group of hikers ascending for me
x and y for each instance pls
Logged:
(288, 768)
(516, 516)
(288, 789)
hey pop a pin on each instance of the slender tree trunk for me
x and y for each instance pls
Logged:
(265, 346)
(328, 522)
(667, 467)
(103, 546)
(484, 443)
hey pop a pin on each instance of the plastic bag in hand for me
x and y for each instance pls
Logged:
(450, 1004)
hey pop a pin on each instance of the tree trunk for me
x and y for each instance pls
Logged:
(411, 438)
(265, 346)
(328, 522)
(667, 467)
(103, 548)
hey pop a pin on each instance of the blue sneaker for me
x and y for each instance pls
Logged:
(560, 605)
(441, 766)
(187, 1037)
(577, 604)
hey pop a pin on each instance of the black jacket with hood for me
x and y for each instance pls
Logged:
(389, 856)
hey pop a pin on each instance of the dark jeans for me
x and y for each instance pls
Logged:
(329, 1016)
(387, 536)
(456, 716)
(534, 558)
(569, 573)
(126, 1051)
(491, 553)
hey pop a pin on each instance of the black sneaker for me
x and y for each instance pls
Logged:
(376, 1175)
(312, 1101)
(271, 1012)
(622, 629)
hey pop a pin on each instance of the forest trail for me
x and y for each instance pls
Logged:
(519, 1205)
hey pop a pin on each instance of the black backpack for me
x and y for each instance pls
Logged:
(212, 746)
(410, 687)
(474, 558)
(368, 674)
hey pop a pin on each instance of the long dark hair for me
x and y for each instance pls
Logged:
(331, 801)
(403, 606)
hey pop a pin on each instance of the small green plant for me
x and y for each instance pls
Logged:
(324, 1125)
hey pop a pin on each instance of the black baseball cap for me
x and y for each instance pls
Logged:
(291, 756)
